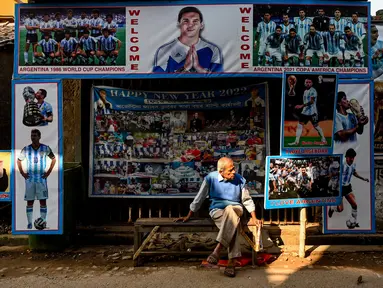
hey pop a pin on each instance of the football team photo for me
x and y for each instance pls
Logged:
(308, 111)
(70, 37)
(310, 36)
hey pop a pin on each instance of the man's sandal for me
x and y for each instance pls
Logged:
(212, 259)
(229, 271)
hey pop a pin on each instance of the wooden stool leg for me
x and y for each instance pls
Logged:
(139, 250)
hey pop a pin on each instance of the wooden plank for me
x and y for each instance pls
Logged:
(170, 222)
(150, 236)
(180, 229)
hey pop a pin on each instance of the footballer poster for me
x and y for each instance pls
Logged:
(303, 181)
(378, 117)
(353, 137)
(377, 51)
(37, 157)
(163, 144)
(308, 109)
(186, 40)
(5, 175)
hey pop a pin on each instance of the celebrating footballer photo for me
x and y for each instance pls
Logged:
(67, 37)
(309, 101)
(310, 36)
(303, 177)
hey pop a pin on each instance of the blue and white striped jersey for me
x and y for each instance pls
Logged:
(46, 25)
(171, 56)
(348, 172)
(377, 63)
(307, 95)
(33, 23)
(36, 161)
(333, 171)
(111, 25)
(264, 30)
(352, 43)
(274, 41)
(69, 45)
(345, 122)
(304, 179)
(314, 42)
(339, 24)
(48, 46)
(70, 24)
(58, 24)
(82, 22)
(95, 23)
(292, 45)
(107, 44)
(333, 42)
(303, 26)
(286, 28)
(88, 44)
(358, 29)
(45, 109)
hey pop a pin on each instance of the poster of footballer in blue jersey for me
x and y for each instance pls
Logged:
(353, 137)
(5, 175)
(303, 181)
(37, 158)
(376, 52)
(308, 108)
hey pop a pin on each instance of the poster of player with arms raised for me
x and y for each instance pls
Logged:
(308, 103)
(37, 158)
(353, 139)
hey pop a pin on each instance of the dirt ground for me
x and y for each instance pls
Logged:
(112, 266)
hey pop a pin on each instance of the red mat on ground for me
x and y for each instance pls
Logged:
(242, 262)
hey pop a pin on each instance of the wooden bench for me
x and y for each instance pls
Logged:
(150, 226)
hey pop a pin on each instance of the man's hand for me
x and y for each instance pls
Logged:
(267, 54)
(46, 174)
(298, 107)
(196, 64)
(183, 219)
(255, 222)
(189, 60)
(365, 179)
(326, 56)
(25, 175)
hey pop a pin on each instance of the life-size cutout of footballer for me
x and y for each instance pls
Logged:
(32, 115)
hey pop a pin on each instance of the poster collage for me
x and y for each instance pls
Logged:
(37, 167)
(325, 151)
(169, 151)
(259, 38)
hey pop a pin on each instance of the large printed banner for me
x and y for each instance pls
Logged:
(162, 144)
(377, 51)
(353, 139)
(37, 163)
(189, 40)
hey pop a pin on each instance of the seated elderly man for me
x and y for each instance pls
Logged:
(228, 195)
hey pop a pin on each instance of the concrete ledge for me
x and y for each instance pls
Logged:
(331, 249)
(13, 240)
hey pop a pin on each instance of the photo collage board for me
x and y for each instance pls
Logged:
(164, 144)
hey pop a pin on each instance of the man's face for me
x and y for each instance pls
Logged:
(354, 18)
(95, 15)
(266, 17)
(58, 17)
(302, 14)
(39, 95)
(83, 15)
(321, 12)
(254, 93)
(86, 35)
(70, 15)
(292, 34)
(271, 165)
(337, 14)
(344, 103)
(31, 15)
(35, 137)
(46, 18)
(332, 29)
(278, 31)
(312, 30)
(303, 171)
(190, 24)
(286, 18)
(67, 36)
(109, 19)
(348, 33)
(229, 172)
(195, 115)
(103, 95)
(46, 38)
(105, 33)
(308, 83)
(350, 160)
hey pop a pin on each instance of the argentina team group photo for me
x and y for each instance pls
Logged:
(310, 36)
(72, 36)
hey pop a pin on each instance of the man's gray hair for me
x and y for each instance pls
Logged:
(223, 162)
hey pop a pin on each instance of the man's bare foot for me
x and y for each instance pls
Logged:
(213, 259)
